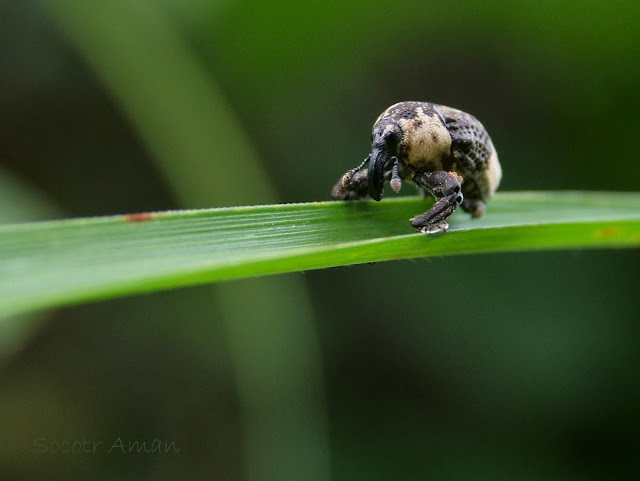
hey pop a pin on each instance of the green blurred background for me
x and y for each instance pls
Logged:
(514, 366)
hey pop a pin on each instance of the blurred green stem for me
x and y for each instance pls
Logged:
(180, 113)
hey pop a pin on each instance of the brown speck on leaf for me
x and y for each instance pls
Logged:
(140, 217)
(608, 232)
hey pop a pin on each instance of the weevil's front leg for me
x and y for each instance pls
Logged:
(352, 185)
(445, 187)
(354, 188)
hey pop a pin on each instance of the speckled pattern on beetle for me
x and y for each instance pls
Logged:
(440, 149)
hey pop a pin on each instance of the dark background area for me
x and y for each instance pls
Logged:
(513, 366)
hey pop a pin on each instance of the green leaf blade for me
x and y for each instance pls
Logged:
(57, 263)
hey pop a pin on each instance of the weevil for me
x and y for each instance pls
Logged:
(442, 150)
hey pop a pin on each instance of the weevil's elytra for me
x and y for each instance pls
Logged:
(443, 150)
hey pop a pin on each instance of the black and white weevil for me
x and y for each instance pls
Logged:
(440, 149)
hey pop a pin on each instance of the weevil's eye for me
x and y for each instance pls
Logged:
(391, 136)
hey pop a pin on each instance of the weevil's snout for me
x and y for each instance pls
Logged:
(385, 146)
(379, 159)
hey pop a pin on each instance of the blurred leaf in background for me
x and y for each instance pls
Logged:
(499, 367)
(20, 203)
(207, 159)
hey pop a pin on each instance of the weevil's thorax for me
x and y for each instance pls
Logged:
(425, 143)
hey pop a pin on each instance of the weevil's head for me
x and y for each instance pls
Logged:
(386, 137)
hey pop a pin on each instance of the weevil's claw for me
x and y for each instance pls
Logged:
(436, 228)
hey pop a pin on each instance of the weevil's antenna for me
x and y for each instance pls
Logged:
(346, 178)
(396, 182)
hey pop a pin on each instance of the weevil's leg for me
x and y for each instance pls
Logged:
(353, 185)
(473, 202)
(396, 182)
(356, 188)
(346, 178)
(475, 207)
(445, 187)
